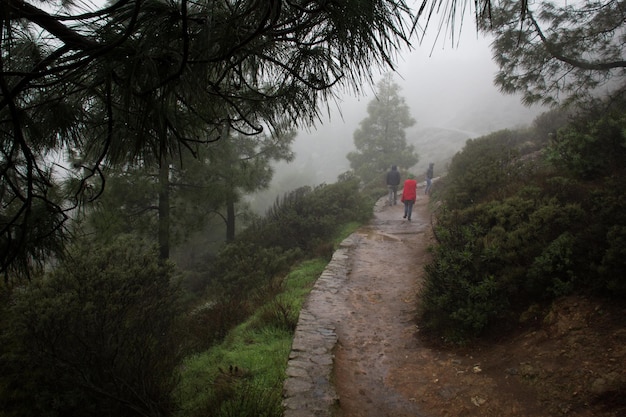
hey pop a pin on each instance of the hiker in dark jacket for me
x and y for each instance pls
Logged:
(429, 178)
(393, 180)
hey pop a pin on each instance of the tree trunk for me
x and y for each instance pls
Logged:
(164, 207)
(230, 220)
(230, 199)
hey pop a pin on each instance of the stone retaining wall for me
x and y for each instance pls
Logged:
(308, 389)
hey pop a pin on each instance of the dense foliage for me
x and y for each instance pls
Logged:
(307, 217)
(519, 227)
(95, 337)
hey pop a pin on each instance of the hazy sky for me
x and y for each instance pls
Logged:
(444, 86)
(439, 81)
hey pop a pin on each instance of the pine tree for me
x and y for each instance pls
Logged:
(144, 80)
(559, 53)
(380, 140)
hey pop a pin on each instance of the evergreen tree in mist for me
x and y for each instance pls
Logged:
(380, 139)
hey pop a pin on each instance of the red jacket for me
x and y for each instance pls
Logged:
(409, 192)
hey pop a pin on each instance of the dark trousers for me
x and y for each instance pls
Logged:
(408, 208)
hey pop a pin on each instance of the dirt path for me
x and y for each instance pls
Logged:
(376, 329)
(573, 362)
(382, 368)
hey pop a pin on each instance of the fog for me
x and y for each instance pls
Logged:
(450, 92)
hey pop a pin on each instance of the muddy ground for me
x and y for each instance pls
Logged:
(571, 363)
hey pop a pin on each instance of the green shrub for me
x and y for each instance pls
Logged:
(243, 267)
(307, 217)
(461, 297)
(483, 169)
(249, 272)
(513, 231)
(502, 255)
(301, 225)
(555, 262)
(95, 337)
(613, 264)
(594, 145)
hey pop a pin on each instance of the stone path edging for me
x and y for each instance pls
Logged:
(308, 390)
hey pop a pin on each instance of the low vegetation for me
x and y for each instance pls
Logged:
(110, 331)
(243, 374)
(98, 336)
(248, 272)
(527, 217)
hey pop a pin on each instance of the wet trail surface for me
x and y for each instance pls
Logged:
(376, 322)
(384, 367)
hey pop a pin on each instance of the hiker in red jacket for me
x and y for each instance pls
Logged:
(409, 194)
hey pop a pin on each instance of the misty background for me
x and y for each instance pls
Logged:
(450, 93)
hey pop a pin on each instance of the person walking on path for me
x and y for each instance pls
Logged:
(429, 178)
(409, 194)
(393, 180)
